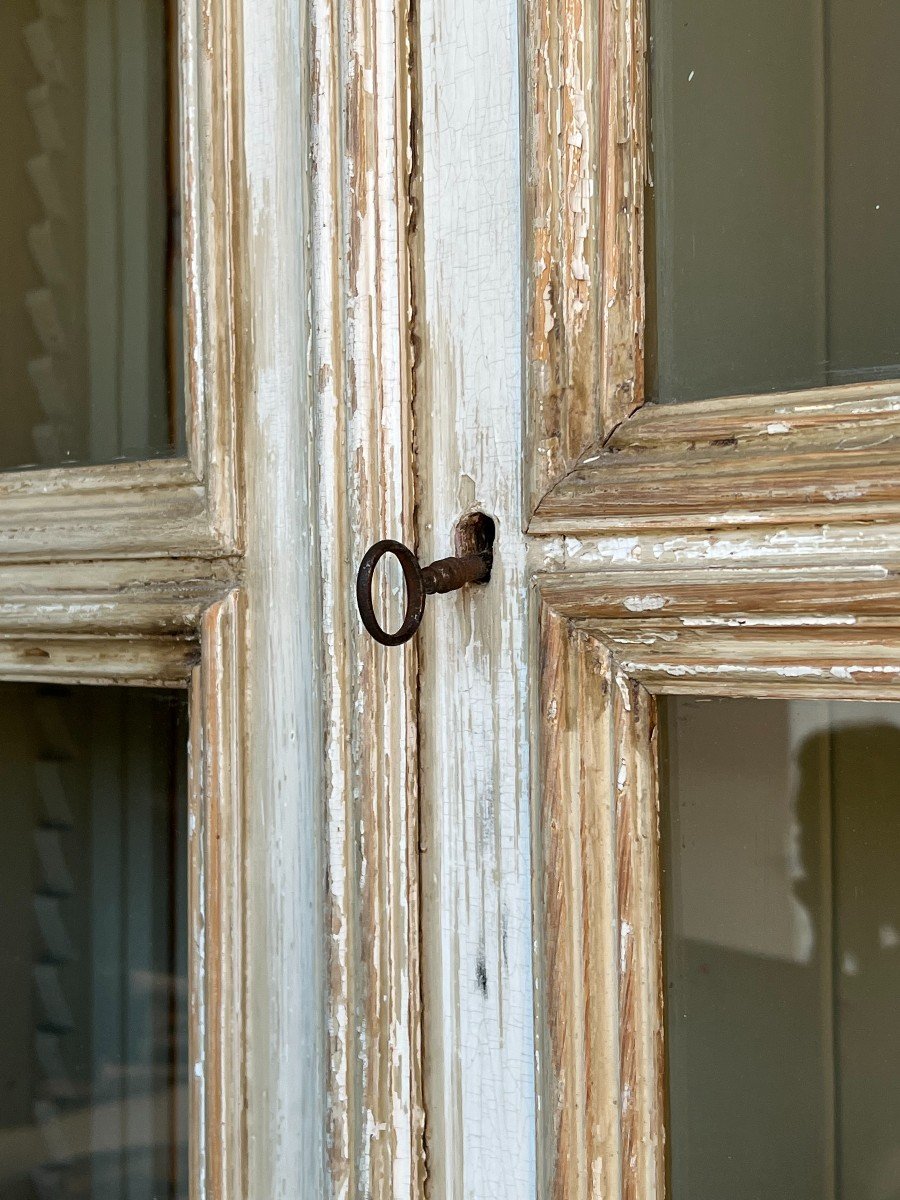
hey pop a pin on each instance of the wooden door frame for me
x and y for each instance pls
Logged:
(171, 506)
(608, 646)
(598, 460)
(738, 546)
(203, 573)
(744, 546)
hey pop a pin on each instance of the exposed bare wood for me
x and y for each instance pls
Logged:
(866, 550)
(834, 414)
(146, 597)
(778, 659)
(578, 926)
(820, 456)
(125, 573)
(133, 509)
(641, 1057)
(624, 147)
(217, 230)
(57, 658)
(362, 218)
(217, 881)
(586, 147)
(748, 546)
(818, 632)
(738, 630)
(700, 592)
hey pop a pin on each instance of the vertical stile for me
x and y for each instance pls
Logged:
(640, 945)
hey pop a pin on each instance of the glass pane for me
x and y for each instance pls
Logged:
(775, 200)
(93, 944)
(781, 844)
(90, 293)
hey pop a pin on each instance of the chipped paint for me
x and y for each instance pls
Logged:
(585, 169)
(626, 933)
(670, 466)
(362, 316)
(648, 603)
(477, 885)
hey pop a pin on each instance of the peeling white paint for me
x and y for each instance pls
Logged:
(846, 491)
(477, 944)
(626, 933)
(650, 603)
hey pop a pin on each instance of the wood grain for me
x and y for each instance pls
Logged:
(599, 964)
(639, 924)
(586, 149)
(56, 658)
(217, 903)
(112, 599)
(362, 216)
(205, 572)
(577, 905)
(807, 591)
(283, 731)
(813, 625)
(827, 455)
(476, 862)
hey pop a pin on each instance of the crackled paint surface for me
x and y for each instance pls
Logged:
(476, 861)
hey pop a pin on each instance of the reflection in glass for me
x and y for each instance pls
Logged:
(93, 877)
(90, 292)
(781, 844)
(776, 177)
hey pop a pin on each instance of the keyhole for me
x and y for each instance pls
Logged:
(475, 534)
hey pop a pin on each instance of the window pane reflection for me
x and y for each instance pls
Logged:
(90, 230)
(93, 944)
(776, 175)
(781, 844)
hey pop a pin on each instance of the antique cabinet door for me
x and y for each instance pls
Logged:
(162, 954)
(659, 349)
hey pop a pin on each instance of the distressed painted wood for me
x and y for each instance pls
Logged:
(739, 546)
(586, 151)
(283, 730)
(115, 598)
(856, 411)
(822, 456)
(137, 573)
(805, 593)
(473, 697)
(128, 509)
(604, 656)
(454, 263)
(601, 1128)
(778, 659)
(59, 659)
(362, 221)
(181, 506)
(577, 925)
(218, 881)
(369, 824)
(639, 924)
